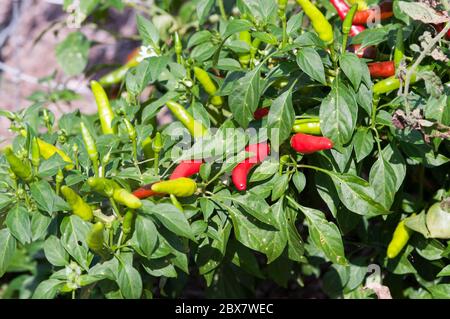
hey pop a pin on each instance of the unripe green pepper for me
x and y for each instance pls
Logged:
(399, 240)
(180, 187)
(95, 238)
(78, 205)
(318, 21)
(209, 86)
(118, 75)
(59, 179)
(35, 153)
(399, 50)
(19, 168)
(128, 222)
(244, 58)
(194, 127)
(105, 111)
(90, 145)
(307, 126)
(109, 188)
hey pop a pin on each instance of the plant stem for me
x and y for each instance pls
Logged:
(222, 9)
(422, 56)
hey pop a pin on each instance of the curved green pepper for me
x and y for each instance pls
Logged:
(209, 86)
(318, 21)
(194, 127)
(105, 111)
(180, 187)
(19, 168)
(78, 205)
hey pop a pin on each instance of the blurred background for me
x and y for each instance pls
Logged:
(30, 30)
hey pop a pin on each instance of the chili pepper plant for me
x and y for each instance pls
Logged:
(309, 143)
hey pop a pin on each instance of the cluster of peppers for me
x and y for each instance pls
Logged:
(306, 138)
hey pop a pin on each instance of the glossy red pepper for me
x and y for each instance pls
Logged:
(383, 69)
(342, 9)
(145, 191)
(260, 113)
(374, 14)
(186, 169)
(240, 172)
(307, 144)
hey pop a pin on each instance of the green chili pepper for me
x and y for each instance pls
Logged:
(147, 148)
(194, 127)
(35, 154)
(399, 50)
(244, 58)
(132, 136)
(348, 21)
(128, 222)
(19, 168)
(390, 84)
(318, 21)
(178, 48)
(209, 86)
(111, 189)
(118, 75)
(95, 238)
(90, 145)
(78, 205)
(180, 187)
(157, 147)
(105, 111)
(59, 179)
(399, 239)
(307, 126)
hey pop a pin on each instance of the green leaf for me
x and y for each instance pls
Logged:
(357, 195)
(351, 67)
(444, 271)
(55, 253)
(160, 267)
(130, 282)
(7, 249)
(39, 225)
(338, 114)
(148, 32)
(74, 233)
(203, 9)
(441, 291)
(19, 224)
(72, 53)
(325, 235)
(363, 143)
(264, 171)
(48, 289)
(281, 118)
(383, 180)
(46, 198)
(244, 98)
(173, 219)
(145, 234)
(253, 205)
(257, 236)
(438, 109)
(310, 62)
(280, 185)
(236, 26)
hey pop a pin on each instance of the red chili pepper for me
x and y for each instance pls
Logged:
(260, 113)
(186, 169)
(439, 28)
(307, 144)
(342, 9)
(383, 69)
(384, 12)
(240, 172)
(144, 191)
